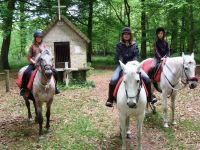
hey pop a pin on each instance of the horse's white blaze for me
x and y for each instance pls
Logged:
(131, 84)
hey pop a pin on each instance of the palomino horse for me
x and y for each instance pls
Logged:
(43, 87)
(131, 99)
(175, 70)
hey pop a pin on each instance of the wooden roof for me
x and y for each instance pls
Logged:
(70, 24)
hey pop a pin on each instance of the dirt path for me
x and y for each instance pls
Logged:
(187, 108)
(186, 135)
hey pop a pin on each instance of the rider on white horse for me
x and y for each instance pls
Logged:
(126, 51)
(35, 48)
(161, 50)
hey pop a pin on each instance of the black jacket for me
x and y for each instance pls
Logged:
(161, 49)
(127, 53)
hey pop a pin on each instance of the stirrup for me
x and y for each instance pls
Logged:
(109, 104)
(22, 92)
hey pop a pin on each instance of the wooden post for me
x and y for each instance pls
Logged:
(7, 81)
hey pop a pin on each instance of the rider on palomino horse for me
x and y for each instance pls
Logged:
(35, 48)
(161, 50)
(127, 50)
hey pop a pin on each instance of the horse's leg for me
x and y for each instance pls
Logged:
(128, 131)
(173, 97)
(122, 119)
(40, 118)
(28, 108)
(165, 117)
(36, 115)
(140, 120)
(48, 113)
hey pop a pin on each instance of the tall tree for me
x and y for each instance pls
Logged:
(127, 12)
(90, 26)
(191, 41)
(7, 29)
(143, 31)
(22, 26)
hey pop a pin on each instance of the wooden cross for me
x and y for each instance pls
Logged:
(59, 6)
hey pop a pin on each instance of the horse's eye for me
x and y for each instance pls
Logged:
(124, 82)
(137, 81)
(186, 68)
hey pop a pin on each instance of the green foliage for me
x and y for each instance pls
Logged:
(103, 61)
(180, 19)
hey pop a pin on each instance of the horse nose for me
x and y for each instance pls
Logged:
(132, 105)
(48, 73)
(192, 85)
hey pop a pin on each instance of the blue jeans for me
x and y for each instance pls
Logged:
(116, 75)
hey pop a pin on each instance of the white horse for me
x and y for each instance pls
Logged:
(175, 71)
(43, 87)
(131, 99)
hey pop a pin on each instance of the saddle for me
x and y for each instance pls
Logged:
(146, 66)
(119, 83)
(30, 83)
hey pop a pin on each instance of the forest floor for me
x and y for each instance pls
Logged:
(80, 121)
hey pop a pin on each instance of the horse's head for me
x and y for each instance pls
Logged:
(45, 61)
(132, 82)
(189, 66)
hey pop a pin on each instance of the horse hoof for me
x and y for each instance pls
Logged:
(123, 148)
(31, 120)
(166, 125)
(40, 138)
(174, 123)
(128, 136)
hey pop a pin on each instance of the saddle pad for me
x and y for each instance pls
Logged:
(30, 82)
(119, 83)
(19, 80)
(146, 66)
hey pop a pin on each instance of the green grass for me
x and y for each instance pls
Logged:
(190, 129)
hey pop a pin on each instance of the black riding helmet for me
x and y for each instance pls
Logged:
(126, 30)
(160, 29)
(37, 33)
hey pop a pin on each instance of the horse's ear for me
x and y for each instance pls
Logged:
(192, 54)
(122, 65)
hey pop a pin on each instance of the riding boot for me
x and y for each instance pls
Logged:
(151, 97)
(57, 91)
(109, 102)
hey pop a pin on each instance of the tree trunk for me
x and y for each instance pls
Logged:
(174, 30)
(182, 35)
(191, 31)
(143, 31)
(7, 28)
(22, 29)
(127, 12)
(90, 25)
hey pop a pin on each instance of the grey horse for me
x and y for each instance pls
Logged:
(43, 88)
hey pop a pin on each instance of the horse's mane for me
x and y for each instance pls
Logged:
(135, 63)
(44, 52)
